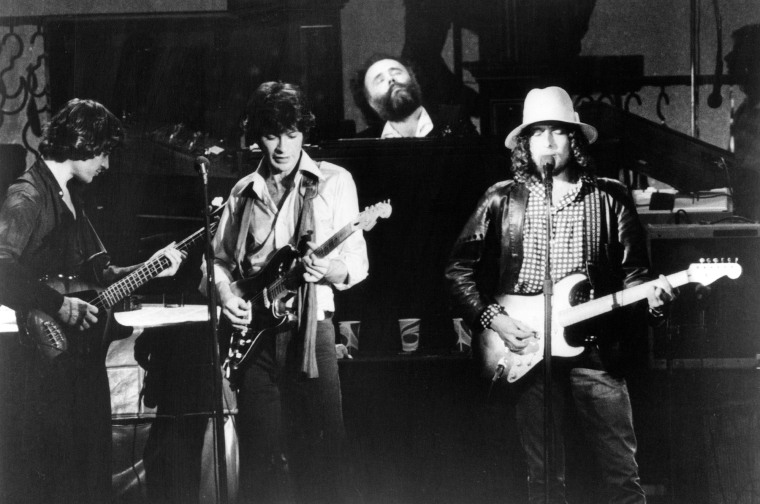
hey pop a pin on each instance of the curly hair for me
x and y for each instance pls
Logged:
(359, 92)
(278, 107)
(81, 130)
(522, 162)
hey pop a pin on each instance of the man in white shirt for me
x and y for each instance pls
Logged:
(290, 420)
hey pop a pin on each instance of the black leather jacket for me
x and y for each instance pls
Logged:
(487, 256)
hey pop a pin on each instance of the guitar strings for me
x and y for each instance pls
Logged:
(278, 286)
(118, 290)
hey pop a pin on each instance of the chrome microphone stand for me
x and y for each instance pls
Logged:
(547, 167)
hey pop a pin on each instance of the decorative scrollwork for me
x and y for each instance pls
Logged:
(662, 97)
(17, 98)
(585, 98)
(631, 96)
(610, 98)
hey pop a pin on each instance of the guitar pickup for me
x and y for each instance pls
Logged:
(267, 302)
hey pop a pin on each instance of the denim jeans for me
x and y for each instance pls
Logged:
(290, 428)
(603, 408)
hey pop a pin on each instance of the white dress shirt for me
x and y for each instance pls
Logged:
(424, 126)
(270, 229)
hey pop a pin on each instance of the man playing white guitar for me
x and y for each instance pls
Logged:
(290, 420)
(44, 232)
(497, 265)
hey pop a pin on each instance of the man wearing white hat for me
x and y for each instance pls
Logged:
(501, 252)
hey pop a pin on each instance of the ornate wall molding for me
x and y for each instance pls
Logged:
(24, 90)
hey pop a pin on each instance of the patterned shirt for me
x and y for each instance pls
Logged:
(568, 232)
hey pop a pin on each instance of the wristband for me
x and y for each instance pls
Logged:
(489, 313)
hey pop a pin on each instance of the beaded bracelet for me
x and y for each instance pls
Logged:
(489, 313)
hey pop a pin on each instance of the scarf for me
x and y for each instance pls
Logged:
(307, 293)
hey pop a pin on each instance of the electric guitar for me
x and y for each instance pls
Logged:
(269, 290)
(498, 361)
(52, 338)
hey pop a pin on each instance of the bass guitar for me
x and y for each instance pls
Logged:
(52, 339)
(568, 309)
(269, 290)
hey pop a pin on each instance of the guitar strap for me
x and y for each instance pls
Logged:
(592, 230)
(307, 293)
(592, 224)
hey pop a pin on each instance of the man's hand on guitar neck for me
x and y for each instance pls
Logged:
(236, 309)
(77, 313)
(331, 270)
(175, 258)
(515, 334)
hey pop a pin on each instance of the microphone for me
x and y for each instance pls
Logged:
(546, 167)
(201, 165)
(714, 100)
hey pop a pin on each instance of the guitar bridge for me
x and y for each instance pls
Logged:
(55, 337)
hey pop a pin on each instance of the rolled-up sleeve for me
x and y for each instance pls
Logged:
(353, 251)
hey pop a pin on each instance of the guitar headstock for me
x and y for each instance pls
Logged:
(368, 218)
(709, 270)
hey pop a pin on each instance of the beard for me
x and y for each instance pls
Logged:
(398, 105)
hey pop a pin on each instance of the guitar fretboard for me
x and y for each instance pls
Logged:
(148, 271)
(279, 286)
(594, 307)
(335, 240)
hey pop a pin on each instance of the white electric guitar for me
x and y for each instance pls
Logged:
(498, 361)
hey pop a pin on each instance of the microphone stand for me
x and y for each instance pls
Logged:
(548, 292)
(218, 410)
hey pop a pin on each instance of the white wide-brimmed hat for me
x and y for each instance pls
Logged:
(545, 105)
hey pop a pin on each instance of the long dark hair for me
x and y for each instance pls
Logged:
(522, 163)
(81, 130)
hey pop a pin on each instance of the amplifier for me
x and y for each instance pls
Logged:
(716, 325)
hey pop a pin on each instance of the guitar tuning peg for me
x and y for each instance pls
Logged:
(701, 260)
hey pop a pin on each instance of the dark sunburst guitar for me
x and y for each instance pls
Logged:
(52, 338)
(270, 288)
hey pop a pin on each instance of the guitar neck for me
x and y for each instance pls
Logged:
(331, 243)
(148, 271)
(625, 297)
(293, 277)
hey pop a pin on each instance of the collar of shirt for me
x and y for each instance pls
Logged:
(258, 185)
(575, 194)
(424, 126)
